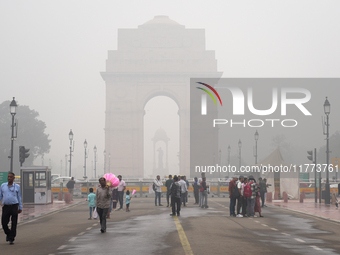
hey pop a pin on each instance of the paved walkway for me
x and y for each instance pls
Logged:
(310, 207)
(32, 211)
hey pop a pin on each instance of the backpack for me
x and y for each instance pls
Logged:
(154, 187)
(175, 190)
(247, 189)
(236, 192)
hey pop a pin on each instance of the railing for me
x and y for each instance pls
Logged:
(217, 188)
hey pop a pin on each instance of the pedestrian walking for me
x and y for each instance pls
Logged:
(175, 192)
(232, 186)
(244, 200)
(168, 185)
(249, 192)
(201, 194)
(184, 189)
(10, 194)
(70, 186)
(265, 192)
(196, 188)
(257, 207)
(204, 193)
(103, 198)
(121, 188)
(187, 183)
(91, 198)
(240, 198)
(114, 198)
(262, 186)
(127, 201)
(158, 190)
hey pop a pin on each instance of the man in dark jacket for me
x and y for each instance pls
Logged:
(70, 186)
(175, 192)
(168, 185)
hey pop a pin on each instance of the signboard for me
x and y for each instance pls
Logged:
(304, 177)
(336, 163)
(318, 180)
(3, 177)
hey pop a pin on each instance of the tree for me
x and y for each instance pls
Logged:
(31, 134)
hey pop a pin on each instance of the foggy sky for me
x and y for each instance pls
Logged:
(52, 53)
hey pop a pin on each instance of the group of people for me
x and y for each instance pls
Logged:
(247, 193)
(177, 189)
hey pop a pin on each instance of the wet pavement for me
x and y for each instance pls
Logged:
(150, 230)
(33, 211)
(310, 207)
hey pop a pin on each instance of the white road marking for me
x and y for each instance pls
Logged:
(61, 247)
(285, 234)
(316, 248)
(95, 224)
(82, 233)
(274, 229)
(89, 228)
(257, 221)
(72, 239)
(300, 240)
(264, 225)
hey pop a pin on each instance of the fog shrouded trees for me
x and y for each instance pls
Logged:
(30, 133)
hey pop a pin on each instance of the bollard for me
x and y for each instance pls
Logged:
(67, 198)
(269, 197)
(60, 196)
(301, 198)
(304, 194)
(51, 197)
(285, 197)
(276, 196)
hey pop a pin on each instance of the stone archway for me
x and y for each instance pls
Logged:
(158, 58)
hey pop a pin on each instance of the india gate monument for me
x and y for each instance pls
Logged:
(156, 59)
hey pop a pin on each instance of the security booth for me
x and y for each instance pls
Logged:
(36, 185)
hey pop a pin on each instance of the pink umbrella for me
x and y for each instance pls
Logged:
(133, 192)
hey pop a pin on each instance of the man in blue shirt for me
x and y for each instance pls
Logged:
(10, 194)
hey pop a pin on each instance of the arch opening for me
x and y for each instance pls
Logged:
(161, 137)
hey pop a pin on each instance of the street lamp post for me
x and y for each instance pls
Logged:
(13, 107)
(239, 152)
(256, 136)
(95, 161)
(327, 109)
(70, 136)
(85, 157)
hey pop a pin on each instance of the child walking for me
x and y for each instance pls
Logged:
(127, 201)
(91, 198)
